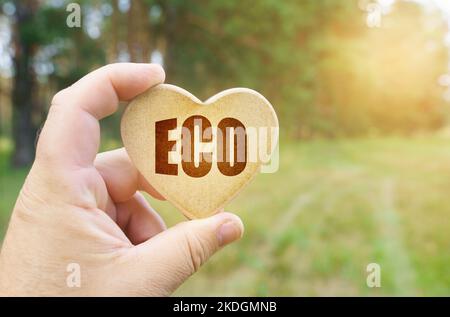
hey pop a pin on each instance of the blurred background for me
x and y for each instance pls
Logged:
(362, 91)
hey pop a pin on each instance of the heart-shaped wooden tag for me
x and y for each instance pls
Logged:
(199, 155)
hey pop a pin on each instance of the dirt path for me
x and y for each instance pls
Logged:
(395, 255)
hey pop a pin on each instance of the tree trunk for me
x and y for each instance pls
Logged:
(138, 37)
(114, 34)
(169, 36)
(24, 131)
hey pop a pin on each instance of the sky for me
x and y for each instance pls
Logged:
(442, 5)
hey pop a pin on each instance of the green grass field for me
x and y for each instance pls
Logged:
(332, 208)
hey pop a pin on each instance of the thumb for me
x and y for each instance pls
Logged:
(169, 258)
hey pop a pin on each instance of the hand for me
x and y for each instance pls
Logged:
(83, 208)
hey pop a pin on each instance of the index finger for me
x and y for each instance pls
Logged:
(71, 133)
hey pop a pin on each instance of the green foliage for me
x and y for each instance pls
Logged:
(348, 204)
(319, 64)
(324, 70)
(328, 75)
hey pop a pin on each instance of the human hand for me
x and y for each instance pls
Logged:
(77, 206)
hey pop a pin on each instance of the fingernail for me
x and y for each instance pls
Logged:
(228, 232)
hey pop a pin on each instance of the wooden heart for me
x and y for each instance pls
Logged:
(222, 163)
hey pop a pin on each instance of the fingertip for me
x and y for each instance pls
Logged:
(149, 74)
(157, 72)
(230, 228)
(132, 79)
(238, 221)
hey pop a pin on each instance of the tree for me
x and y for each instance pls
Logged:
(24, 130)
(38, 27)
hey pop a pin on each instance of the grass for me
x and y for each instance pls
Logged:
(332, 208)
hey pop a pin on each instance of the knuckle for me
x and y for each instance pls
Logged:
(43, 151)
(60, 97)
(44, 142)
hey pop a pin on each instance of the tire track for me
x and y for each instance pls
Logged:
(391, 237)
